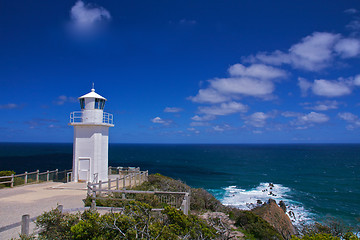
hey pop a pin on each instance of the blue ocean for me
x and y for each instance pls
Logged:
(315, 181)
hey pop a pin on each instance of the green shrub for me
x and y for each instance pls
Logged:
(318, 236)
(256, 226)
(135, 221)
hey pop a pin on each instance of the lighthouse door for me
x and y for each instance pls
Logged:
(84, 169)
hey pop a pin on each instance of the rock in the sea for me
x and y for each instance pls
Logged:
(276, 217)
(282, 205)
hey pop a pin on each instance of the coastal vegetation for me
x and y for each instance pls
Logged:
(209, 219)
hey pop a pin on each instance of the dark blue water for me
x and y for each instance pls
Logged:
(314, 180)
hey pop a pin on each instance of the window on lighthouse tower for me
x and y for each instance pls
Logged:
(99, 103)
(82, 103)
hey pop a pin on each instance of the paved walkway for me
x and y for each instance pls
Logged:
(35, 199)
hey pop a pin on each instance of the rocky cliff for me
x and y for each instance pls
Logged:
(276, 217)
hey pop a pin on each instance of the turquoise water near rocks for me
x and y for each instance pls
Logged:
(314, 180)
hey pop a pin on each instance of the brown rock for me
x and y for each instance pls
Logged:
(277, 218)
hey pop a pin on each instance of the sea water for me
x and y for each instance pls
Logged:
(314, 181)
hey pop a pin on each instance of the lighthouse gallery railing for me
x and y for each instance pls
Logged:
(77, 117)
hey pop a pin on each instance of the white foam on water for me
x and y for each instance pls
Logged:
(248, 199)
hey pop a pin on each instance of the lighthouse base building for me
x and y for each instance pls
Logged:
(91, 139)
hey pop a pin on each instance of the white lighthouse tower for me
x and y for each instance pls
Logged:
(91, 139)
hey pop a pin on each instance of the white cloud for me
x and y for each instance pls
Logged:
(243, 86)
(347, 48)
(304, 86)
(85, 16)
(350, 118)
(257, 119)
(354, 25)
(357, 80)
(223, 109)
(322, 105)
(158, 120)
(194, 130)
(306, 120)
(328, 88)
(203, 118)
(64, 99)
(209, 95)
(9, 106)
(259, 71)
(351, 11)
(347, 116)
(314, 52)
(311, 118)
(165, 122)
(255, 80)
(173, 109)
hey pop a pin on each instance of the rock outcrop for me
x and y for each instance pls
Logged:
(276, 217)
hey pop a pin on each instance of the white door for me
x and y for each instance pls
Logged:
(84, 169)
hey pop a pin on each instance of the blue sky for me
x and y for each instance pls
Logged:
(183, 71)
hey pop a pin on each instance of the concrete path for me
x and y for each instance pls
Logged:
(35, 199)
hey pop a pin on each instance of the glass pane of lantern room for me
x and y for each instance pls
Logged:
(97, 103)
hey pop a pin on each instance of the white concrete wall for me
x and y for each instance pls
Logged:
(91, 141)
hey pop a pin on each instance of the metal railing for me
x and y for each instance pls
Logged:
(35, 177)
(108, 118)
(77, 117)
(132, 177)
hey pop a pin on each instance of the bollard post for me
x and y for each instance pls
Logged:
(60, 208)
(47, 175)
(25, 222)
(26, 177)
(37, 175)
(12, 180)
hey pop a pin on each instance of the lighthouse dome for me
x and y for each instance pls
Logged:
(93, 94)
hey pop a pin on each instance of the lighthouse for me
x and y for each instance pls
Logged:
(91, 139)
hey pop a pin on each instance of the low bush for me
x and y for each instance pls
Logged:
(135, 221)
(256, 226)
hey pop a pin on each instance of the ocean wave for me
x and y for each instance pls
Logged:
(247, 199)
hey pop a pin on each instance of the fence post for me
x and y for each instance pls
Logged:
(12, 180)
(26, 177)
(109, 186)
(56, 174)
(37, 175)
(135, 174)
(93, 201)
(60, 208)
(47, 175)
(130, 176)
(25, 221)
(100, 186)
(88, 189)
(109, 170)
(124, 179)
(117, 183)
